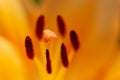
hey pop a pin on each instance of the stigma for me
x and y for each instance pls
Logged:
(48, 35)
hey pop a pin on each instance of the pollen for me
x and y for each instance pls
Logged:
(48, 65)
(29, 47)
(61, 25)
(64, 56)
(74, 40)
(40, 26)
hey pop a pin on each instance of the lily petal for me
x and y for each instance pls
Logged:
(11, 66)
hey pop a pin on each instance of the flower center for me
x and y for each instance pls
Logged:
(48, 37)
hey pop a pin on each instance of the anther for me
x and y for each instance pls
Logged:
(74, 40)
(64, 56)
(40, 26)
(29, 47)
(48, 65)
(61, 25)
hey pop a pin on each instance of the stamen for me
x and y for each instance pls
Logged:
(40, 26)
(64, 55)
(74, 39)
(61, 25)
(29, 47)
(48, 66)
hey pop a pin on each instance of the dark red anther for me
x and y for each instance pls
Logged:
(29, 47)
(74, 40)
(48, 66)
(40, 26)
(64, 56)
(61, 25)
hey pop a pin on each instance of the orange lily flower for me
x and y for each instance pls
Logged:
(59, 40)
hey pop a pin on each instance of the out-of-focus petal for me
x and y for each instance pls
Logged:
(113, 72)
(98, 50)
(11, 66)
(13, 22)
